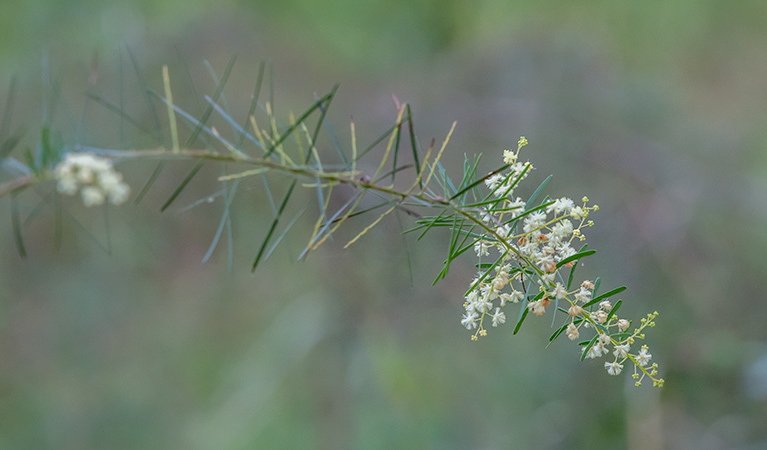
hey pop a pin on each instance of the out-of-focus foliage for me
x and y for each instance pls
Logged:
(653, 109)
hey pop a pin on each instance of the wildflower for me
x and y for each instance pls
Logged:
(559, 291)
(561, 205)
(494, 181)
(621, 350)
(514, 297)
(606, 305)
(583, 295)
(643, 358)
(537, 307)
(600, 316)
(562, 229)
(481, 248)
(596, 351)
(623, 325)
(483, 304)
(92, 196)
(94, 176)
(613, 368)
(579, 213)
(498, 317)
(516, 207)
(469, 320)
(509, 157)
(534, 221)
(572, 332)
(574, 310)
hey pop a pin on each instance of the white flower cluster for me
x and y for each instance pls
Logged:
(532, 246)
(95, 178)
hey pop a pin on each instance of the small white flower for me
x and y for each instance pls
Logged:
(595, 351)
(534, 221)
(621, 351)
(600, 316)
(579, 213)
(643, 358)
(469, 320)
(583, 295)
(481, 248)
(509, 157)
(498, 317)
(606, 305)
(574, 310)
(613, 368)
(483, 304)
(623, 325)
(516, 207)
(67, 184)
(537, 307)
(563, 204)
(560, 292)
(494, 181)
(119, 194)
(562, 229)
(92, 196)
(572, 332)
(565, 251)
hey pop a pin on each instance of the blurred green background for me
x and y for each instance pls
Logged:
(656, 110)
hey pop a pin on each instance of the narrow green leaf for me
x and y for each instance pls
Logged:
(378, 140)
(606, 295)
(192, 138)
(222, 223)
(183, 184)
(209, 108)
(614, 310)
(525, 301)
(521, 319)
(559, 331)
(326, 98)
(273, 226)
(216, 80)
(479, 181)
(336, 144)
(574, 257)
(413, 144)
(432, 224)
(396, 152)
(532, 198)
(588, 346)
(597, 282)
(284, 232)
(253, 101)
(149, 182)
(572, 269)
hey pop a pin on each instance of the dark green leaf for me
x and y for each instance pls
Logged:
(588, 346)
(606, 295)
(574, 257)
